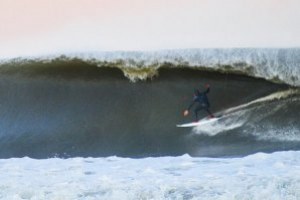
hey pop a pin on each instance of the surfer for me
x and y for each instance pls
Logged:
(203, 103)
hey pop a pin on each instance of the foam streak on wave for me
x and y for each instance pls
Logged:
(275, 96)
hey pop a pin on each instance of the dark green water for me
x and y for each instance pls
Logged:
(76, 109)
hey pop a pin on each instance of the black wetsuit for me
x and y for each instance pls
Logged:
(203, 103)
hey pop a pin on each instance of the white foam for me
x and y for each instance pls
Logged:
(259, 176)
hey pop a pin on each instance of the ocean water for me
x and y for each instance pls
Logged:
(102, 125)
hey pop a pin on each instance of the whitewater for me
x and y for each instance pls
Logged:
(259, 176)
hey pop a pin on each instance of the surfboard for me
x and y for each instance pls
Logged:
(199, 123)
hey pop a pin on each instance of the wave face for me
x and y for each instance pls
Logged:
(279, 65)
(70, 108)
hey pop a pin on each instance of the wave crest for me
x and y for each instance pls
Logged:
(277, 65)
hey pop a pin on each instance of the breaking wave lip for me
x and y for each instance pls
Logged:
(274, 64)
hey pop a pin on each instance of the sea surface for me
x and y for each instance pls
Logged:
(102, 125)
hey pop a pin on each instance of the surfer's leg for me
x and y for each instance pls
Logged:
(196, 114)
(198, 108)
(208, 111)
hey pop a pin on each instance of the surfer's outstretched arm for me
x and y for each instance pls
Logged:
(186, 112)
(191, 105)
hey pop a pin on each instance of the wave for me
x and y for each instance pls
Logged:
(73, 108)
(277, 65)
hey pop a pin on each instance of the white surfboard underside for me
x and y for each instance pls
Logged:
(199, 123)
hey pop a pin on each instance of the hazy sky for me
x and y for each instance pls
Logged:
(47, 26)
